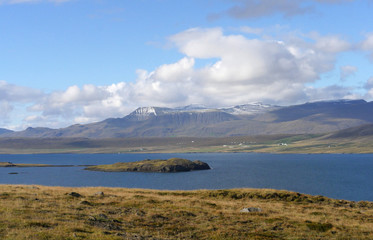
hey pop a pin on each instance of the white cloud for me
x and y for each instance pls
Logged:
(256, 69)
(244, 9)
(5, 109)
(369, 84)
(11, 96)
(369, 87)
(331, 44)
(250, 30)
(347, 71)
(367, 44)
(13, 93)
(240, 70)
(330, 93)
(259, 8)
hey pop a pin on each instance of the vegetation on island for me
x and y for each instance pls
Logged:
(159, 165)
(40, 212)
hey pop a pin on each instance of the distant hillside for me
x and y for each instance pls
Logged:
(4, 131)
(327, 110)
(200, 121)
(354, 132)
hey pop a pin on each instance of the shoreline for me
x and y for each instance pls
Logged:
(31, 186)
(89, 151)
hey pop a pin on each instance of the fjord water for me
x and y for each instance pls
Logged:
(341, 176)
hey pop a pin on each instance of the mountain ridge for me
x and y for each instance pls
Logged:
(201, 121)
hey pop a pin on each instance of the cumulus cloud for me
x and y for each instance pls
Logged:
(244, 9)
(244, 70)
(252, 69)
(240, 70)
(14, 93)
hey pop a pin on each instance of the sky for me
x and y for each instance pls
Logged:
(65, 62)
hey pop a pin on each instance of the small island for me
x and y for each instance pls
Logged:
(159, 165)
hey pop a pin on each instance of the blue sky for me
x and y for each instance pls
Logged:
(77, 61)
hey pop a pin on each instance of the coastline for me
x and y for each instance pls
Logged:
(306, 144)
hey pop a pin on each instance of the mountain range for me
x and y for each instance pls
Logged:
(201, 121)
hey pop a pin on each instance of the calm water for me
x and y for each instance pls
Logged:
(342, 176)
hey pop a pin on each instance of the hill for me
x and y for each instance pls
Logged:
(363, 131)
(4, 131)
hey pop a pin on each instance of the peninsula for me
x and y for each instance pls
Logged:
(9, 164)
(170, 165)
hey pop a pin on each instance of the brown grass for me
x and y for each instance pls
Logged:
(38, 212)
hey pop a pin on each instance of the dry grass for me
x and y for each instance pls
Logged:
(38, 212)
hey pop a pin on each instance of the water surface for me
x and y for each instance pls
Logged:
(342, 176)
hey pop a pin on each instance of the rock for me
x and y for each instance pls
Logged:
(104, 222)
(75, 194)
(86, 203)
(251, 210)
(103, 216)
(99, 194)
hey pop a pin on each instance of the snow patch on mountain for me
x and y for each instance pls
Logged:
(144, 113)
(250, 109)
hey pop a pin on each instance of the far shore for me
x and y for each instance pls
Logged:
(304, 143)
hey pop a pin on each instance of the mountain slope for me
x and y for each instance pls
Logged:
(365, 131)
(4, 131)
(341, 109)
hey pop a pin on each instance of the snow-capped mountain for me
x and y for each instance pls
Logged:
(143, 113)
(201, 121)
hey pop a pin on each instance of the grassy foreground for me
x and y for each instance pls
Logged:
(39, 212)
